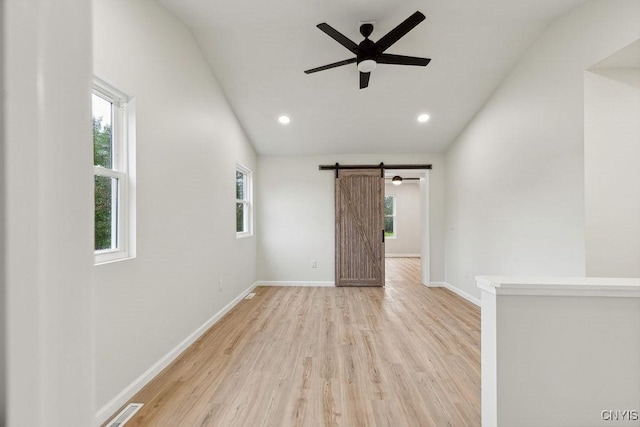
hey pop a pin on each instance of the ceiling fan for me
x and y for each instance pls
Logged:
(397, 180)
(369, 53)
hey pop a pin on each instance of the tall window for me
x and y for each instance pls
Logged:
(111, 173)
(390, 216)
(243, 201)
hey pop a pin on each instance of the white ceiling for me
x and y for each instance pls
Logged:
(259, 49)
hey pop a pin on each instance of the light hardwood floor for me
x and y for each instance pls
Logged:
(402, 355)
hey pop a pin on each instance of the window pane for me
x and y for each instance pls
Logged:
(102, 141)
(106, 201)
(240, 217)
(239, 185)
(388, 226)
(388, 205)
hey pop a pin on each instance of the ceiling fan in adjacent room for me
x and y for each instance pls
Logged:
(397, 180)
(369, 53)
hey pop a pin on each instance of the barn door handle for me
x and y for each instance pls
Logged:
(382, 236)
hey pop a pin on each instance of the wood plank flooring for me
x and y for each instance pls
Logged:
(402, 355)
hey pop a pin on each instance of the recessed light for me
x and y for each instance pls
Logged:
(284, 120)
(423, 118)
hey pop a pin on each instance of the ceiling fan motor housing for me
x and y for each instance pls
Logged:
(367, 54)
(367, 48)
(366, 29)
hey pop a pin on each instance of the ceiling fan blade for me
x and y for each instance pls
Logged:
(364, 80)
(329, 66)
(396, 34)
(387, 58)
(339, 37)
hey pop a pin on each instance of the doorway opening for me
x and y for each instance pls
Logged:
(406, 221)
(360, 220)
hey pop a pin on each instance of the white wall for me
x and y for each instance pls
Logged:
(515, 176)
(567, 352)
(557, 352)
(408, 229)
(296, 214)
(188, 142)
(2, 225)
(47, 186)
(612, 175)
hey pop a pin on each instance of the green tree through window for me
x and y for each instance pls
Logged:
(389, 216)
(102, 156)
(113, 165)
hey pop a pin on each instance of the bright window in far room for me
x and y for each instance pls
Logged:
(390, 216)
(243, 201)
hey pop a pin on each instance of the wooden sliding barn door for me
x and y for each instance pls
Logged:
(359, 227)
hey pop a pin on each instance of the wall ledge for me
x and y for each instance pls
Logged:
(560, 286)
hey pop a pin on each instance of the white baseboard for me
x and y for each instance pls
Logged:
(294, 283)
(455, 290)
(402, 255)
(121, 398)
(436, 285)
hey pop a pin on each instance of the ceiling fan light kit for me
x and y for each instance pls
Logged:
(285, 120)
(396, 180)
(367, 65)
(369, 53)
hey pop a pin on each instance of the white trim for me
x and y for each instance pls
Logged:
(402, 255)
(436, 285)
(119, 221)
(425, 241)
(560, 286)
(295, 283)
(109, 91)
(457, 291)
(121, 398)
(122, 169)
(247, 200)
(110, 173)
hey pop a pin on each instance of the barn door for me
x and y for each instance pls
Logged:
(359, 228)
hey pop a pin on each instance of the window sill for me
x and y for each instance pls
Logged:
(98, 260)
(243, 235)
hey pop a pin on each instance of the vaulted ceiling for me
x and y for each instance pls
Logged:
(258, 51)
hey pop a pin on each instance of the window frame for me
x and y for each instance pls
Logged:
(247, 201)
(120, 171)
(393, 216)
